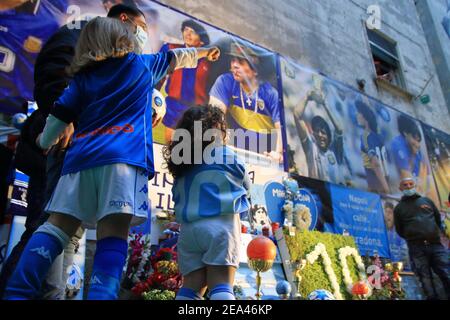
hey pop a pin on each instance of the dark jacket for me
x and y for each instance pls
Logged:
(50, 80)
(416, 218)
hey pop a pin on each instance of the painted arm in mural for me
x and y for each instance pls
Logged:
(376, 165)
(320, 100)
(298, 112)
(11, 4)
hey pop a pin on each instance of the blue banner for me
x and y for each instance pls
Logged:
(274, 193)
(361, 215)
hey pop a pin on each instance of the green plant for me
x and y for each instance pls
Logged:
(314, 276)
(447, 227)
(159, 295)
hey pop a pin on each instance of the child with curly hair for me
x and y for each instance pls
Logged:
(210, 191)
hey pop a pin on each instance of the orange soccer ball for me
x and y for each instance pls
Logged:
(261, 248)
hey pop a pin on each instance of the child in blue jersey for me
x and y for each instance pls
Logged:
(105, 172)
(210, 191)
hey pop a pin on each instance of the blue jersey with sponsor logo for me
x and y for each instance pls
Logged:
(23, 32)
(210, 190)
(112, 106)
(403, 157)
(255, 114)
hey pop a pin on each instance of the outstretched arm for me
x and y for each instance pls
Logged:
(188, 57)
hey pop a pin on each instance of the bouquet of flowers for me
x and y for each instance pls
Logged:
(385, 282)
(164, 281)
(138, 266)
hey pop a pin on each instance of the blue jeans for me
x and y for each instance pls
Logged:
(428, 257)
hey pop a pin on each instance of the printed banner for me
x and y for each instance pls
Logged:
(25, 26)
(360, 214)
(397, 245)
(338, 135)
(438, 146)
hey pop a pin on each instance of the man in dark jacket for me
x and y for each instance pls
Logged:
(50, 79)
(418, 221)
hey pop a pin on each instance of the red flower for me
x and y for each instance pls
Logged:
(360, 288)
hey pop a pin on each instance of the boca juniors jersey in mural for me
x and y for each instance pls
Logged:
(210, 190)
(256, 114)
(112, 106)
(185, 88)
(23, 32)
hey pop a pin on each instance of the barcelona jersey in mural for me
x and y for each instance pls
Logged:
(184, 88)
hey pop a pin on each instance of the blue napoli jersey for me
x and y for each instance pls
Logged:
(22, 35)
(112, 106)
(254, 114)
(210, 190)
(371, 146)
(403, 157)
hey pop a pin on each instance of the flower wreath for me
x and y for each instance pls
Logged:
(320, 250)
(348, 281)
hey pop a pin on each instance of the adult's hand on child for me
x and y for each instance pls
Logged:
(44, 151)
(64, 139)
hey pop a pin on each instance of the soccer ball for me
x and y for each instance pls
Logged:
(18, 120)
(283, 287)
(321, 294)
(158, 105)
(74, 281)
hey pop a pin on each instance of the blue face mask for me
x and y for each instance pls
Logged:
(409, 192)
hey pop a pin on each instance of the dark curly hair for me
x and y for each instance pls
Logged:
(211, 118)
(367, 114)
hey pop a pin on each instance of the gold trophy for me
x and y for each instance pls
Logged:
(397, 268)
(261, 253)
(299, 266)
(259, 266)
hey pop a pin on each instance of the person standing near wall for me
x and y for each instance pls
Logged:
(418, 221)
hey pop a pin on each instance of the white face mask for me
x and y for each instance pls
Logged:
(140, 34)
(409, 192)
(141, 37)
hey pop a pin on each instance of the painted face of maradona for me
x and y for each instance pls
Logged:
(191, 38)
(242, 71)
(413, 142)
(322, 139)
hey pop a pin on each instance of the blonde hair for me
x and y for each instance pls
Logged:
(100, 39)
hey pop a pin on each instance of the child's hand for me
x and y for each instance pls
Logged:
(213, 54)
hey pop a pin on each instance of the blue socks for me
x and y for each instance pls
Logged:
(187, 294)
(109, 261)
(37, 258)
(222, 291)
